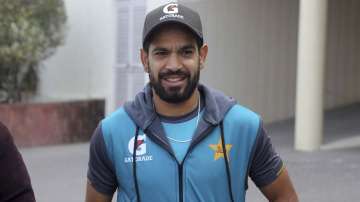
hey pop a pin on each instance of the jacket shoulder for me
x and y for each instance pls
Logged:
(242, 112)
(116, 121)
(243, 117)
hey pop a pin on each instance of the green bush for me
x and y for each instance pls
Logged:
(30, 31)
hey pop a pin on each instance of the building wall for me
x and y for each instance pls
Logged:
(82, 68)
(128, 74)
(343, 62)
(253, 50)
(252, 53)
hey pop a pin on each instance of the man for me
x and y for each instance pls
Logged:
(179, 140)
(15, 185)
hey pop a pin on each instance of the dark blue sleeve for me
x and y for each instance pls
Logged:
(265, 163)
(101, 172)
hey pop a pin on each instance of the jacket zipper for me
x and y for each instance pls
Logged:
(180, 175)
(180, 168)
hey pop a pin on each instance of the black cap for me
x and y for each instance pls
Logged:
(172, 12)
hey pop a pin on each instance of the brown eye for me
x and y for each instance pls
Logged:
(161, 53)
(187, 53)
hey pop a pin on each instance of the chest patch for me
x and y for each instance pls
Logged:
(218, 150)
(141, 152)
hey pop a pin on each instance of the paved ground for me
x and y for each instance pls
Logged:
(330, 175)
(58, 173)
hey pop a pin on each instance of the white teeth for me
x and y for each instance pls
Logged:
(174, 79)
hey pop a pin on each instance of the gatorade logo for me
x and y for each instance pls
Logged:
(140, 145)
(140, 150)
(171, 8)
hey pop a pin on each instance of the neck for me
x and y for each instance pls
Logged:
(171, 109)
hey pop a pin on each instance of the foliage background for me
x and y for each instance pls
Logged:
(30, 31)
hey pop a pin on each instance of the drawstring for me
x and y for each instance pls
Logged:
(134, 165)
(228, 174)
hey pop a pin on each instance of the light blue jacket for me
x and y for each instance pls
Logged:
(204, 175)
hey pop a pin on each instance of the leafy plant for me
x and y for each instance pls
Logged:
(30, 31)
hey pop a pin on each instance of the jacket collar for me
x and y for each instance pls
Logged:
(142, 112)
(141, 109)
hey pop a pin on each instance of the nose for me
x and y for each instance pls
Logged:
(173, 62)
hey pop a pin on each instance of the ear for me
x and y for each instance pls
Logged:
(144, 60)
(203, 54)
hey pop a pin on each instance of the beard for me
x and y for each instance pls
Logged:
(175, 94)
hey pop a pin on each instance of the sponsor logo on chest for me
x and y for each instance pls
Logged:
(140, 150)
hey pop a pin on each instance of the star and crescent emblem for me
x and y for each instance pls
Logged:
(217, 148)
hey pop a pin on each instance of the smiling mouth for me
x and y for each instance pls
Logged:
(172, 81)
(174, 78)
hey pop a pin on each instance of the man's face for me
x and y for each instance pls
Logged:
(173, 63)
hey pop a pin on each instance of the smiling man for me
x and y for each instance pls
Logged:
(180, 140)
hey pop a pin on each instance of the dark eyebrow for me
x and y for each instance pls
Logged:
(159, 49)
(162, 49)
(189, 46)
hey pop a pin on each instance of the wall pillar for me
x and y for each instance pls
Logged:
(310, 74)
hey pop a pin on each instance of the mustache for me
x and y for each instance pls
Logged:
(178, 72)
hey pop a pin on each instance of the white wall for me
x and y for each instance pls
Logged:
(152, 4)
(100, 58)
(252, 52)
(343, 53)
(129, 74)
(128, 71)
(82, 68)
